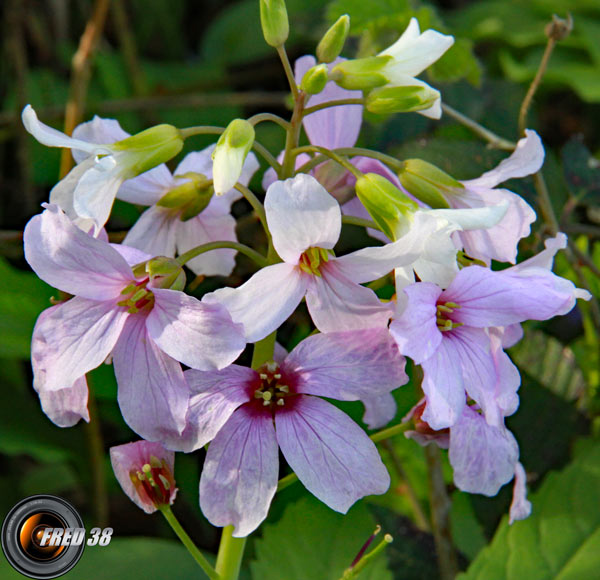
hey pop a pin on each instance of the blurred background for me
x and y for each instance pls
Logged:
(187, 63)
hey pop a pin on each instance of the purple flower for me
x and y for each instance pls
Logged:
(305, 223)
(145, 472)
(115, 311)
(249, 414)
(446, 331)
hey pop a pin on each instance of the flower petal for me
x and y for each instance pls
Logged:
(70, 260)
(483, 457)
(330, 453)
(97, 131)
(67, 406)
(336, 303)
(520, 508)
(153, 395)
(301, 214)
(154, 232)
(132, 256)
(198, 334)
(71, 339)
(147, 188)
(239, 478)
(265, 301)
(215, 396)
(379, 410)
(347, 365)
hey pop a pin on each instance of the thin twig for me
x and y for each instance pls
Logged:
(80, 76)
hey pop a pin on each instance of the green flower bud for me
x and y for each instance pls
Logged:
(361, 74)
(189, 198)
(330, 46)
(165, 273)
(150, 148)
(230, 153)
(315, 79)
(274, 22)
(428, 183)
(401, 99)
(386, 204)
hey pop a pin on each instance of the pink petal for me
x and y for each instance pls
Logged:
(97, 131)
(332, 455)
(301, 214)
(198, 334)
(511, 334)
(483, 457)
(508, 378)
(336, 303)
(239, 478)
(347, 365)
(215, 396)
(71, 339)
(520, 508)
(132, 256)
(379, 410)
(147, 188)
(265, 301)
(415, 330)
(67, 406)
(154, 232)
(153, 394)
(70, 260)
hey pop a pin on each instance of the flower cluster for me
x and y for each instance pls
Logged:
(452, 313)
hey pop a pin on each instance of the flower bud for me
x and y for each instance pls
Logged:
(274, 22)
(165, 273)
(386, 204)
(145, 472)
(230, 153)
(405, 99)
(362, 74)
(189, 198)
(150, 148)
(315, 79)
(427, 182)
(330, 46)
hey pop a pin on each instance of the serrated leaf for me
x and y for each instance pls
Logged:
(312, 542)
(560, 540)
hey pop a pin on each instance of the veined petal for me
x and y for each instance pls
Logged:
(203, 229)
(265, 301)
(526, 159)
(147, 188)
(415, 330)
(336, 303)
(215, 396)
(520, 508)
(153, 395)
(347, 365)
(508, 378)
(198, 334)
(239, 478)
(132, 256)
(483, 457)
(330, 453)
(301, 214)
(379, 410)
(473, 218)
(154, 232)
(71, 339)
(67, 406)
(72, 261)
(98, 130)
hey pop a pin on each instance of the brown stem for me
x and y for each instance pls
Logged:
(80, 76)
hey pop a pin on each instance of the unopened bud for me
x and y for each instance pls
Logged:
(150, 147)
(405, 99)
(387, 205)
(361, 74)
(189, 198)
(274, 22)
(332, 43)
(165, 273)
(230, 153)
(428, 183)
(559, 28)
(314, 79)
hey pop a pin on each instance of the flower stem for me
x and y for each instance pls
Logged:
(293, 137)
(262, 117)
(331, 155)
(289, 73)
(257, 206)
(229, 558)
(355, 570)
(328, 104)
(392, 162)
(252, 254)
(187, 542)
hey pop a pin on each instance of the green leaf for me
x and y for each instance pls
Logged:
(560, 540)
(582, 172)
(22, 298)
(458, 63)
(312, 542)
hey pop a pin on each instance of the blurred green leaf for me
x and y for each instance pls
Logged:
(312, 542)
(582, 172)
(560, 540)
(467, 532)
(458, 63)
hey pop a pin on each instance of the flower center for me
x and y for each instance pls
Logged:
(311, 260)
(154, 482)
(273, 388)
(443, 316)
(137, 296)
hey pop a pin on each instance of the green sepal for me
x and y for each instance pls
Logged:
(332, 43)
(407, 99)
(428, 183)
(274, 22)
(362, 74)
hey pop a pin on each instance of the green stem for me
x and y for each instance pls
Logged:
(367, 558)
(394, 163)
(187, 542)
(262, 117)
(289, 73)
(328, 104)
(331, 155)
(257, 206)
(229, 558)
(292, 138)
(252, 254)
(263, 350)
(356, 221)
